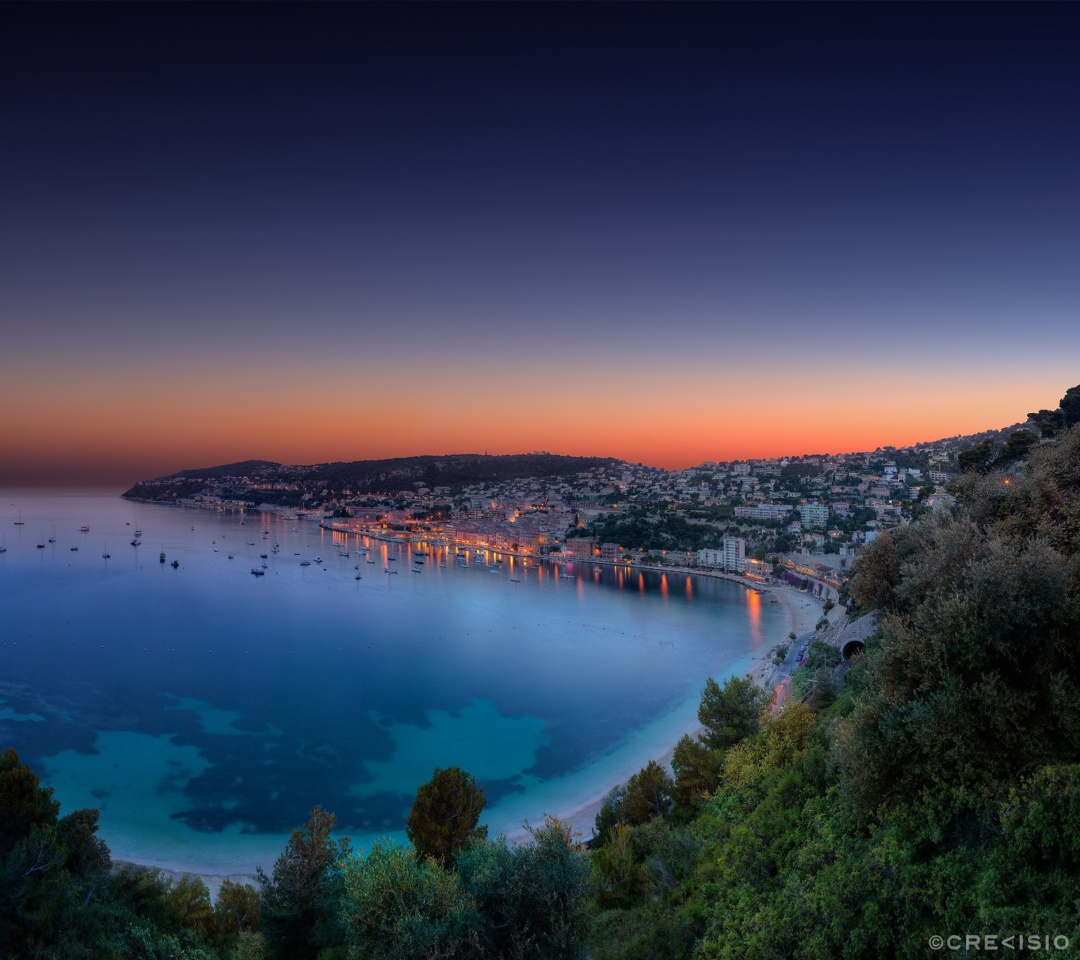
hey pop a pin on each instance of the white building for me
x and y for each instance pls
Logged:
(814, 514)
(731, 557)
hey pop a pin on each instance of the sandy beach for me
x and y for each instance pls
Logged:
(802, 613)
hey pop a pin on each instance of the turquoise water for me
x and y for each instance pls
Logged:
(205, 710)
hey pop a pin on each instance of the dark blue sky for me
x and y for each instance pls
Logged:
(728, 202)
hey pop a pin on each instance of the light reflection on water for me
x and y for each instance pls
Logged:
(205, 710)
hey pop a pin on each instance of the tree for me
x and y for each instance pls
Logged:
(648, 794)
(1048, 422)
(697, 771)
(1016, 447)
(977, 458)
(532, 898)
(444, 814)
(236, 909)
(731, 712)
(1070, 406)
(24, 803)
(396, 906)
(299, 904)
(607, 817)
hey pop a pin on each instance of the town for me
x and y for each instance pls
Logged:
(802, 518)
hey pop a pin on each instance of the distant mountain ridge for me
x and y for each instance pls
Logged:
(375, 476)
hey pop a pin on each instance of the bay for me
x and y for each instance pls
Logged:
(205, 710)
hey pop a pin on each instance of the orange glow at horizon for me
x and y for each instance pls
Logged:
(128, 429)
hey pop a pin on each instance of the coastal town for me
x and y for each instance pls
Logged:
(801, 519)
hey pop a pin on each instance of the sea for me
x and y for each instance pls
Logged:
(204, 709)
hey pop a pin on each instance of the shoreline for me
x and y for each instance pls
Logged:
(801, 613)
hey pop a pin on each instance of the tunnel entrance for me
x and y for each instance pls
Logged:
(851, 648)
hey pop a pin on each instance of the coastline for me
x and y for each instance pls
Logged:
(800, 612)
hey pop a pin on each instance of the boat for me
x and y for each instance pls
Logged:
(85, 529)
(73, 549)
(138, 533)
(316, 559)
(161, 557)
(41, 546)
(358, 577)
(305, 563)
(418, 561)
(262, 556)
(370, 560)
(52, 539)
(136, 543)
(256, 572)
(19, 522)
(105, 555)
(175, 564)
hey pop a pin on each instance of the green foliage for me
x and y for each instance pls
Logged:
(975, 677)
(445, 813)
(697, 770)
(24, 803)
(236, 909)
(1016, 447)
(1070, 407)
(731, 712)
(978, 457)
(532, 898)
(298, 904)
(648, 795)
(398, 907)
(607, 816)
(496, 901)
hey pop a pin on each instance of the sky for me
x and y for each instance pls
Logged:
(668, 233)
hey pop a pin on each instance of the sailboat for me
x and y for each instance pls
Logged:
(105, 555)
(52, 539)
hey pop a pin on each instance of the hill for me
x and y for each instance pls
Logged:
(369, 476)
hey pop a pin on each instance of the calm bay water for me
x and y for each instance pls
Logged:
(205, 710)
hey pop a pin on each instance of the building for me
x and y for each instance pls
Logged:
(734, 553)
(763, 511)
(731, 557)
(814, 513)
(580, 547)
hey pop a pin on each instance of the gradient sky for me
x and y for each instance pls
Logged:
(667, 233)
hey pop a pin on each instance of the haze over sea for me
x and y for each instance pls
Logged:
(205, 710)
